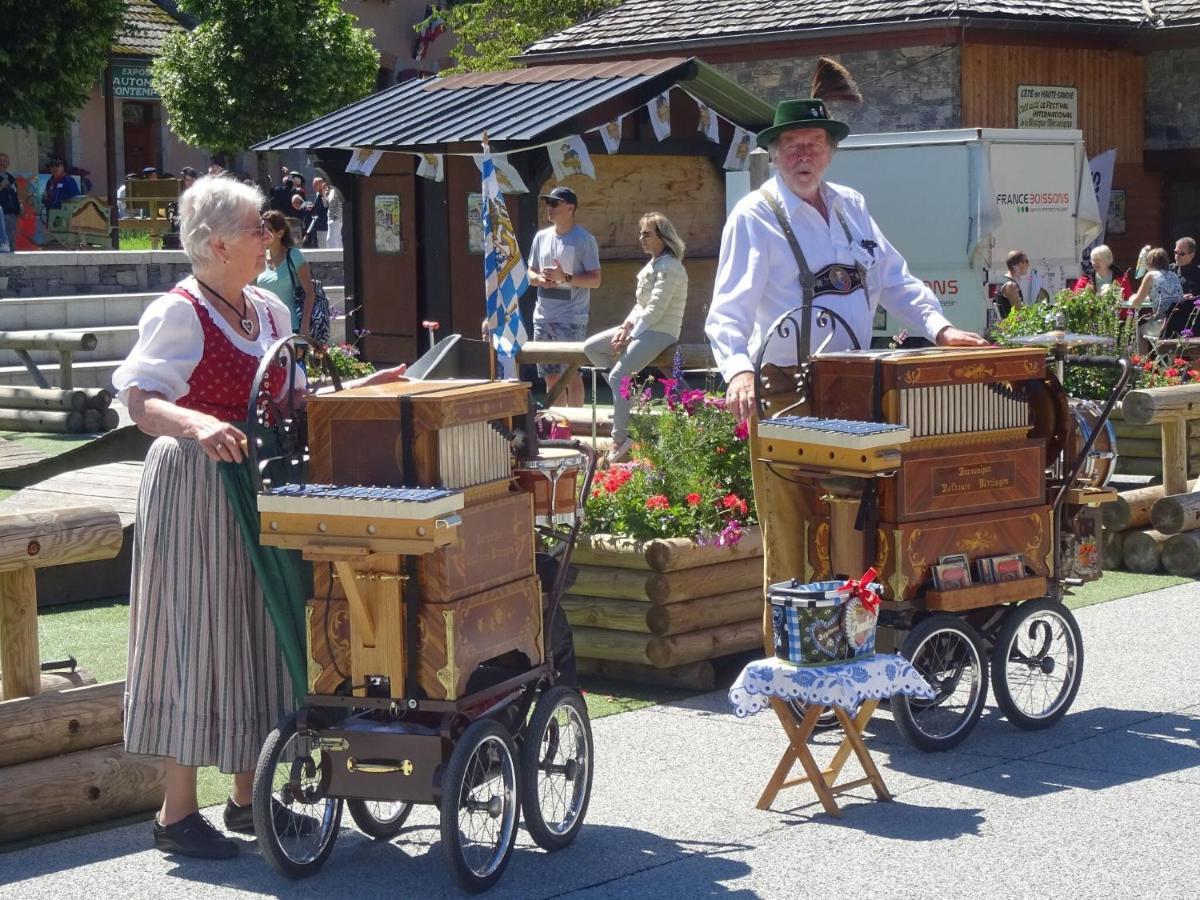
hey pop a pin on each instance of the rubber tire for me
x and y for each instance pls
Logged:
(1004, 639)
(452, 781)
(531, 807)
(373, 827)
(900, 704)
(264, 776)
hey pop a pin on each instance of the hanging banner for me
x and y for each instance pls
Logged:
(132, 83)
(504, 275)
(709, 123)
(432, 167)
(1047, 106)
(610, 133)
(660, 115)
(1102, 178)
(570, 157)
(506, 176)
(738, 157)
(363, 161)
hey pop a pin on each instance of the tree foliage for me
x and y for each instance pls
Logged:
(253, 68)
(51, 55)
(491, 32)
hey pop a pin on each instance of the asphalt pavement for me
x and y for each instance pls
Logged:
(1104, 804)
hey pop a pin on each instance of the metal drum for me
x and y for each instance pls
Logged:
(1101, 461)
(553, 480)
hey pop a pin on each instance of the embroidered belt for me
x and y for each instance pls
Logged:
(837, 279)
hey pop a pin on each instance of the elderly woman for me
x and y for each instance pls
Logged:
(286, 273)
(652, 325)
(205, 683)
(1104, 275)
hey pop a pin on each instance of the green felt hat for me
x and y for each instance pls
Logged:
(807, 113)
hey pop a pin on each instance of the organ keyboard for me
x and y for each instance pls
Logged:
(835, 444)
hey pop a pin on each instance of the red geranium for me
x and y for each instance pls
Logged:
(657, 501)
(694, 499)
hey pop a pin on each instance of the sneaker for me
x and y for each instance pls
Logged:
(620, 451)
(241, 819)
(194, 836)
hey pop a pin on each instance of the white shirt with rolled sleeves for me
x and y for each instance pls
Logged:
(758, 279)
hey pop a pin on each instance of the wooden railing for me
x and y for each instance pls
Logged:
(694, 356)
(65, 342)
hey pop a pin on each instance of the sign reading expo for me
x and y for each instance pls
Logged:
(1047, 106)
(132, 83)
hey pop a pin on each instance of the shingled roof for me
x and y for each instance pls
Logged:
(644, 23)
(146, 27)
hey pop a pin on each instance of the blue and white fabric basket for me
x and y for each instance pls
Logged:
(822, 622)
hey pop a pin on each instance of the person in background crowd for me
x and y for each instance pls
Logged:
(122, 211)
(1164, 291)
(333, 199)
(215, 168)
(150, 173)
(1009, 296)
(1187, 267)
(650, 328)
(286, 273)
(10, 202)
(188, 176)
(318, 226)
(1104, 275)
(61, 186)
(564, 265)
(281, 194)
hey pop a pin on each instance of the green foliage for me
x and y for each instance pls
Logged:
(51, 56)
(491, 32)
(692, 476)
(345, 362)
(253, 68)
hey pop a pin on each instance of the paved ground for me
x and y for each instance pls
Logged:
(1106, 804)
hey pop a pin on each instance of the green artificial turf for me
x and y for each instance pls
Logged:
(1115, 585)
(50, 444)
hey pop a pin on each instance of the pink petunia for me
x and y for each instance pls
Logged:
(741, 431)
(625, 389)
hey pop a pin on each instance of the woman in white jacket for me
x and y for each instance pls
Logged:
(652, 325)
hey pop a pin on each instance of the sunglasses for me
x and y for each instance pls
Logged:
(553, 204)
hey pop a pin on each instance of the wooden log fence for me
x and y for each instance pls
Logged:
(66, 343)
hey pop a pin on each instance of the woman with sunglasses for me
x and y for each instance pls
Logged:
(285, 272)
(205, 683)
(652, 325)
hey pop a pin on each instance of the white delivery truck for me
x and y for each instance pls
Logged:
(955, 202)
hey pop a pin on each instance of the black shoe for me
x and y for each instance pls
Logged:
(241, 819)
(194, 836)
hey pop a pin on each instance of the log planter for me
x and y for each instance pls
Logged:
(1139, 447)
(660, 611)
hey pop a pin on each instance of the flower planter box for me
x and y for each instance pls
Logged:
(660, 611)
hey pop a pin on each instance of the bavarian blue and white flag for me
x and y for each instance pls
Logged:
(505, 279)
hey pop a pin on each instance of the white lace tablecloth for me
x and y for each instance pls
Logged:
(844, 684)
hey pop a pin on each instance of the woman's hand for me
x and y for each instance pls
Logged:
(221, 441)
(386, 376)
(621, 338)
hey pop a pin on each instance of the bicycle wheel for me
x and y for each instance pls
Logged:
(948, 652)
(556, 768)
(295, 821)
(380, 819)
(1037, 664)
(479, 805)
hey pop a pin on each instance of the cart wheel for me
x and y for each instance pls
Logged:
(479, 805)
(556, 768)
(295, 820)
(1037, 664)
(380, 819)
(826, 721)
(948, 652)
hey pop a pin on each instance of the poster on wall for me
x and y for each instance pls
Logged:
(387, 223)
(475, 224)
(1047, 106)
(1116, 212)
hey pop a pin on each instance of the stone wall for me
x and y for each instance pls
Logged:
(1172, 113)
(63, 273)
(904, 89)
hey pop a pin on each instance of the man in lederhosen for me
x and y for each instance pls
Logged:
(797, 223)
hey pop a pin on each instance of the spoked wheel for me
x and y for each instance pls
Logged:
(295, 821)
(826, 721)
(556, 768)
(276, 425)
(479, 805)
(1037, 664)
(380, 819)
(948, 652)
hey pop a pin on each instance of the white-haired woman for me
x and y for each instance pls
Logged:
(205, 683)
(1105, 275)
(652, 325)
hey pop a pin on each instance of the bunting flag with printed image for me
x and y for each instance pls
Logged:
(509, 179)
(504, 275)
(738, 157)
(570, 157)
(660, 115)
(709, 123)
(610, 133)
(432, 167)
(363, 161)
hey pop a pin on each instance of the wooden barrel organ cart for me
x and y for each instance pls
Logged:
(906, 457)
(434, 628)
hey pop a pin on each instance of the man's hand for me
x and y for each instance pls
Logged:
(739, 396)
(554, 274)
(954, 337)
(621, 338)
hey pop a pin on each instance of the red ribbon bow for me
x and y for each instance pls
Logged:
(861, 588)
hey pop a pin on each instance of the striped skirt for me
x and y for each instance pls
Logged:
(206, 684)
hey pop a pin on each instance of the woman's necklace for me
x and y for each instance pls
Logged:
(244, 313)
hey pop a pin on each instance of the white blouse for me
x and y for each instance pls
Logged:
(171, 340)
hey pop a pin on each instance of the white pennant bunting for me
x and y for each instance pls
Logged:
(610, 133)
(432, 167)
(709, 123)
(570, 157)
(738, 157)
(660, 115)
(509, 179)
(363, 161)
